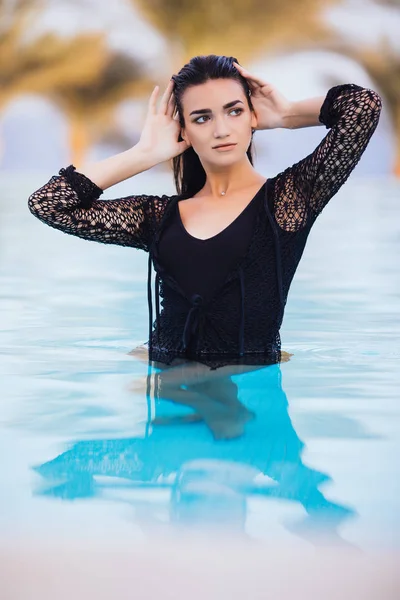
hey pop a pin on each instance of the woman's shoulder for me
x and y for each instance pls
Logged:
(160, 207)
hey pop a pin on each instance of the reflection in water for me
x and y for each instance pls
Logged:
(208, 451)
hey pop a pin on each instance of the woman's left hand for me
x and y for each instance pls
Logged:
(270, 106)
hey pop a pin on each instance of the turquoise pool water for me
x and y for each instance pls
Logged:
(80, 454)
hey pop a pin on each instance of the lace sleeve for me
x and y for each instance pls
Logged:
(351, 113)
(69, 202)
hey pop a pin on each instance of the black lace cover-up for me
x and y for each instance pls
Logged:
(240, 323)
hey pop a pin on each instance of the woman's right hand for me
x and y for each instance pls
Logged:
(161, 130)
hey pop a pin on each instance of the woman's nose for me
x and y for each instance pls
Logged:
(221, 128)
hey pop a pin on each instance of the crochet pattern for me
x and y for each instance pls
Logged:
(241, 323)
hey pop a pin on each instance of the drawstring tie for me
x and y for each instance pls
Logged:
(150, 303)
(241, 326)
(157, 292)
(192, 320)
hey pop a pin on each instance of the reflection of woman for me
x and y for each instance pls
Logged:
(195, 466)
(226, 247)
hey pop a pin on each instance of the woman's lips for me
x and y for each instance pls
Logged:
(225, 148)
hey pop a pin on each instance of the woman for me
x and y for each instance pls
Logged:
(225, 248)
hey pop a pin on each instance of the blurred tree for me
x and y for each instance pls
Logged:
(80, 74)
(244, 29)
(382, 61)
(238, 28)
(383, 64)
(90, 104)
(43, 64)
(394, 3)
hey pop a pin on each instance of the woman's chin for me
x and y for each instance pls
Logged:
(226, 158)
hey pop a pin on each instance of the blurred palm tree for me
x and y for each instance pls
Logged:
(383, 64)
(37, 64)
(45, 63)
(90, 105)
(239, 28)
(395, 3)
(80, 74)
(244, 29)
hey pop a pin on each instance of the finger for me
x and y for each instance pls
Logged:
(153, 99)
(250, 77)
(165, 98)
(252, 80)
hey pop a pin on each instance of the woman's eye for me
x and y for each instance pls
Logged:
(198, 119)
(237, 110)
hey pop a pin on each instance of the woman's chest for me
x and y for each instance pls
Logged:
(200, 266)
(206, 219)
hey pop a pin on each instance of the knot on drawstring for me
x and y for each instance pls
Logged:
(196, 300)
(192, 320)
(242, 312)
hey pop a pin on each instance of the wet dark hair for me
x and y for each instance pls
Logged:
(189, 174)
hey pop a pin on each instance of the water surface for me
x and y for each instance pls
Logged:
(79, 455)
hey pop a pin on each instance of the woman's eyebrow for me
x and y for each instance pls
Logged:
(204, 111)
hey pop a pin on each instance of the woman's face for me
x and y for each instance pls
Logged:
(217, 113)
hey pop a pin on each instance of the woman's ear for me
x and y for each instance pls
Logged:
(185, 137)
(254, 121)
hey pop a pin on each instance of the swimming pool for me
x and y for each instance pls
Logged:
(317, 464)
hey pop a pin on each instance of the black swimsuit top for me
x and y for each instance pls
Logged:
(197, 265)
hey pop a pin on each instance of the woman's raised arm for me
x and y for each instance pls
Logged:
(351, 113)
(69, 201)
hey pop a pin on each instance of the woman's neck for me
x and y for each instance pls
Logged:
(222, 182)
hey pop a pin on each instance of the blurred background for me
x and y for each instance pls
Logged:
(75, 75)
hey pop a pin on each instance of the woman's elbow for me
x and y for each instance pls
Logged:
(34, 204)
(39, 207)
(372, 102)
